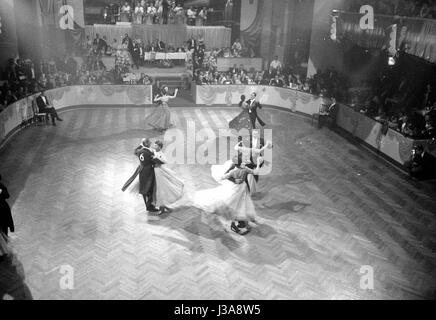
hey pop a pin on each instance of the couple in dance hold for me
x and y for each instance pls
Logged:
(238, 178)
(160, 118)
(247, 118)
(230, 201)
(158, 185)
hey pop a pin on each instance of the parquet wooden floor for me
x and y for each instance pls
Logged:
(327, 209)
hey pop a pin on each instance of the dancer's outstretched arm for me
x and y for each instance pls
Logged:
(161, 157)
(268, 143)
(256, 170)
(157, 98)
(239, 145)
(175, 94)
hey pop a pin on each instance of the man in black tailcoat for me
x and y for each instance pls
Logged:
(45, 107)
(145, 170)
(253, 105)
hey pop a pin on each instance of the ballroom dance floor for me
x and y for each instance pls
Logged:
(327, 209)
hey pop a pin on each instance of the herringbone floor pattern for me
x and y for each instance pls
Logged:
(327, 209)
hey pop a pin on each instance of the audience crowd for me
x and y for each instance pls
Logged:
(408, 8)
(399, 104)
(156, 12)
(389, 98)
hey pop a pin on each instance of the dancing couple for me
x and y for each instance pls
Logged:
(158, 184)
(230, 201)
(238, 178)
(160, 118)
(247, 118)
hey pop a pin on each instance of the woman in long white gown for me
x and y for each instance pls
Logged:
(160, 117)
(168, 188)
(231, 200)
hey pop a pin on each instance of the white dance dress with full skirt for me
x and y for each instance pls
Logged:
(168, 187)
(160, 117)
(230, 200)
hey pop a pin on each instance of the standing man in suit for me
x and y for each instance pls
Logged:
(6, 221)
(160, 46)
(165, 10)
(45, 107)
(253, 104)
(129, 42)
(327, 114)
(421, 164)
(191, 43)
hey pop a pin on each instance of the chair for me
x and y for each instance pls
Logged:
(39, 117)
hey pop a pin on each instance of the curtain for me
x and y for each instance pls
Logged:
(417, 36)
(169, 34)
(110, 31)
(214, 37)
(348, 27)
(250, 37)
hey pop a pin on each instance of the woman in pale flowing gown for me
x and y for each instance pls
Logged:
(168, 187)
(231, 200)
(160, 117)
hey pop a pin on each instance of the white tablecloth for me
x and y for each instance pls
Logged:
(163, 55)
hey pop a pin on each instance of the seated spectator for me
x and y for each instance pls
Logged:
(421, 164)
(236, 48)
(191, 16)
(327, 114)
(202, 15)
(276, 82)
(44, 106)
(145, 79)
(125, 12)
(275, 66)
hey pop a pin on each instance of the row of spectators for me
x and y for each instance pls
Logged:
(409, 111)
(416, 120)
(22, 77)
(328, 82)
(409, 8)
(157, 12)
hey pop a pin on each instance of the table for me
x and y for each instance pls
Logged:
(165, 56)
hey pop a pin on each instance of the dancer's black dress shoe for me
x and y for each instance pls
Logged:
(152, 209)
(234, 228)
(59, 119)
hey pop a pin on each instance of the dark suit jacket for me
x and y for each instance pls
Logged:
(5, 211)
(254, 106)
(129, 44)
(191, 44)
(161, 46)
(146, 176)
(40, 103)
